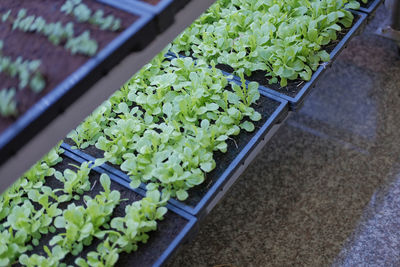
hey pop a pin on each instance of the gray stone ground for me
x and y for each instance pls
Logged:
(326, 189)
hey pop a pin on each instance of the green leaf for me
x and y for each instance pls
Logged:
(182, 195)
(248, 126)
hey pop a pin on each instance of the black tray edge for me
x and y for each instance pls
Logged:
(372, 8)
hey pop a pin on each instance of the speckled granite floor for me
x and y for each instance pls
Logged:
(326, 189)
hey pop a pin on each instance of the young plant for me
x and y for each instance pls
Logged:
(177, 113)
(82, 224)
(55, 32)
(127, 232)
(75, 183)
(22, 222)
(8, 105)
(83, 13)
(27, 72)
(283, 39)
(52, 260)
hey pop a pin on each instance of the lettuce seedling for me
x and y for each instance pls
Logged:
(82, 224)
(283, 39)
(166, 123)
(83, 13)
(28, 74)
(75, 183)
(8, 105)
(55, 32)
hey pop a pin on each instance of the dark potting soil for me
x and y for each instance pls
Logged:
(152, 2)
(57, 63)
(167, 229)
(264, 106)
(295, 86)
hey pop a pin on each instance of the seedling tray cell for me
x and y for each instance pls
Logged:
(296, 91)
(200, 202)
(176, 228)
(74, 78)
(370, 7)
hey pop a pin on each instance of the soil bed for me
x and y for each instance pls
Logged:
(167, 229)
(264, 106)
(57, 63)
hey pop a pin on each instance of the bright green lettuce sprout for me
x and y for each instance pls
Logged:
(12, 244)
(23, 223)
(8, 105)
(55, 32)
(28, 74)
(52, 260)
(283, 39)
(127, 232)
(84, 14)
(82, 224)
(166, 123)
(75, 183)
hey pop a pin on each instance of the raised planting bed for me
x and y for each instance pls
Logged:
(370, 6)
(240, 150)
(84, 199)
(58, 55)
(164, 10)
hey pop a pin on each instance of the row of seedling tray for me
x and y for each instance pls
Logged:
(181, 222)
(274, 107)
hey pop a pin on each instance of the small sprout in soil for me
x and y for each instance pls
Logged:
(56, 32)
(8, 105)
(83, 13)
(27, 71)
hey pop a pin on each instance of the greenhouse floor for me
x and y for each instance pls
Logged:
(326, 189)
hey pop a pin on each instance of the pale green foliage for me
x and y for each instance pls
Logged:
(164, 125)
(75, 182)
(82, 224)
(52, 260)
(285, 39)
(84, 14)
(8, 105)
(27, 71)
(23, 223)
(127, 232)
(55, 32)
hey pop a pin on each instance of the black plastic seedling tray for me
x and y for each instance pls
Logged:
(159, 249)
(296, 97)
(164, 10)
(202, 198)
(60, 97)
(370, 7)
